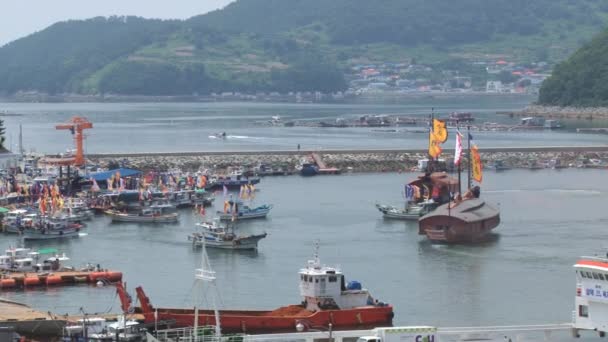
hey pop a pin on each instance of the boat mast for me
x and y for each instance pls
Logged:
(460, 161)
(469, 157)
(429, 167)
(206, 274)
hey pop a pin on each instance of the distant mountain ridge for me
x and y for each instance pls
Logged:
(286, 45)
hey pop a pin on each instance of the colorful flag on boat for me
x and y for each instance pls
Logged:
(458, 149)
(440, 131)
(476, 167)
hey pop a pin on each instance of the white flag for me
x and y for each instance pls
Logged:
(458, 149)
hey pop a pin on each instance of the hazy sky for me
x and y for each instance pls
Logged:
(19, 18)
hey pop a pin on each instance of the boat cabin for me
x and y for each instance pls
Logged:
(591, 301)
(533, 121)
(324, 288)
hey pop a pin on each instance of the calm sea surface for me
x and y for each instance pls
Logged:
(523, 276)
(165, 127)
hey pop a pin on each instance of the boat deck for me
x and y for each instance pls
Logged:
(11, 312)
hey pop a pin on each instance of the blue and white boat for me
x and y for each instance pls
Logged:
(241, 211)
(309, 169)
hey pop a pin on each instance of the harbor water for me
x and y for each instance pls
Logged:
(523, 275)
(173, 127)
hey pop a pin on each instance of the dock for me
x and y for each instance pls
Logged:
(17, 280)
(323, 169)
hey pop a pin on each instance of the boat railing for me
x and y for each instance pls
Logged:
(595, 258)
(201, 334)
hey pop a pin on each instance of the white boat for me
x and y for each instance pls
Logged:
(77, 210)
(412, 210)
(26, 260)
(160, 213)
(217, 236)
(591, 301)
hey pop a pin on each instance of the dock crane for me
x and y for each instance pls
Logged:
(76, 125)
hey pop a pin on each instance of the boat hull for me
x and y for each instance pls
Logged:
(61, 234)
(240, 243)
(283, 319)
(256, 322)
(172, 218)
(475, 225)
(244, 216)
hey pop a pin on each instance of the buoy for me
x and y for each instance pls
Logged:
(7, 283)
(53, 280)
(31, 281)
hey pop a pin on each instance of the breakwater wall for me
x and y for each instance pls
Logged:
(361, 160)
(578, 113)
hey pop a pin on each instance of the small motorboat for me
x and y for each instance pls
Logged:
(52, 228)
(221, 135)
(412, 210)
(217, 236)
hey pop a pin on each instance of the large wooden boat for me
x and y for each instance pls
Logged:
(467, 221)
(326, 298)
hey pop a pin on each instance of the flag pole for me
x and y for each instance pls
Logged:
(459, 161)
(469, 158)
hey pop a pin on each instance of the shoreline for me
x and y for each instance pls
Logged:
(357, 160)
(555, 112)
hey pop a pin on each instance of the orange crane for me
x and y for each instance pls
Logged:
(76, 125)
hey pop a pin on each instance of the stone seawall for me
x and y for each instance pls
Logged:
(356, 161)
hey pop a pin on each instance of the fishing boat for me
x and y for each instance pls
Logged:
(25, 260)
(222, 237)
(412, 210)
(47, 228)
(309, 169)
(230, 182)
(326, 299)
(157, 213)
(202, 198)
(218, 135)
(77, 210)
(240, 211)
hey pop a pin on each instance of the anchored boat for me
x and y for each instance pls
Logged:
(217, 236)
(237, 210)
(326, 299)
(159, 213)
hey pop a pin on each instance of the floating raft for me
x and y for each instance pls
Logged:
(25, 320)
(16, 280)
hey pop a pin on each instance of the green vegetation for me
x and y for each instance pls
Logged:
(290, 45)
(582, 80)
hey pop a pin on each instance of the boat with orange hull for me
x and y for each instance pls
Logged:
(326, 300)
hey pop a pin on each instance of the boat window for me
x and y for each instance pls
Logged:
(582, 274)
(310, 279)
(333, 279)
(583, 311)
(322, 280)
(595, 276)
(316, 280)
(589, 275)
(601, 276)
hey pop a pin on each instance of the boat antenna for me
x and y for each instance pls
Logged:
(202, 275)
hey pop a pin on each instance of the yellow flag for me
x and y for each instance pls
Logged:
(476, 167)
(434, 147)
(440, 131)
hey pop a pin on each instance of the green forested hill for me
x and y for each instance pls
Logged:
(287, 45)
(581, 80)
